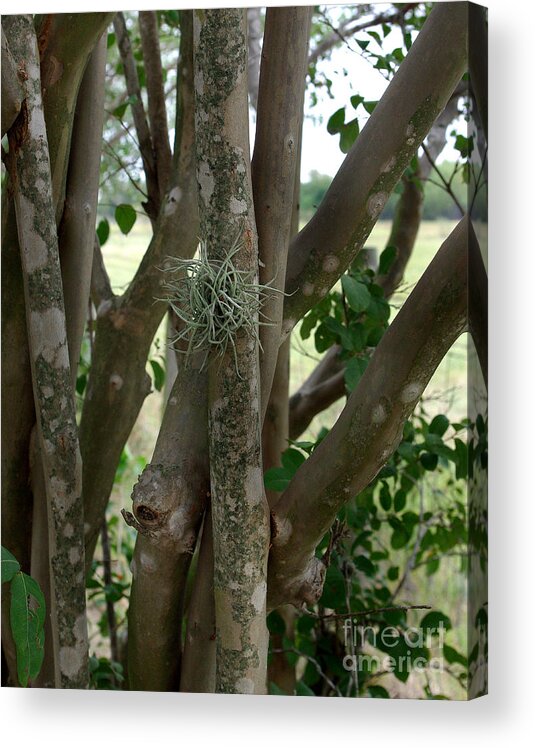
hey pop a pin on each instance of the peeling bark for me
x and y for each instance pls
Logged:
(371, 424)
(53, 393)
(417, 94)
(239, 507)
(277, 144)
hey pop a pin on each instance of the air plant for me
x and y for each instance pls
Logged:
(216, 301)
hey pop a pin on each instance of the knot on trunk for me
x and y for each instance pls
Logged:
(165, 507)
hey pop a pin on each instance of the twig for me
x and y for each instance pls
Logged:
(447, 187)
(362, 613)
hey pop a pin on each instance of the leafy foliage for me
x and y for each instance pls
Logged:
(27, 618)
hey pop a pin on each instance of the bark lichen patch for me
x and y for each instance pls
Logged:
(50, 338)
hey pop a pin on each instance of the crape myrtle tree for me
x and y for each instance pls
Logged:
(238, 525)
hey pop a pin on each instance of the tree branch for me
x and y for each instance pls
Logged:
(278, 132)
(372, 168)
(371, 424)
(140, 118)
(150, 41)
(100, 280)
(347, 29)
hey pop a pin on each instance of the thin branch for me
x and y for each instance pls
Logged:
(447, 186)
(365, 613)
(138, 112)
(150, 42)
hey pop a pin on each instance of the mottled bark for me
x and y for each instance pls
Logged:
(239, 507)
(126, 325)
(150, 42)
(12, 90)
(30, 173)
(277, 142)
(168, 505)
(417, 94)
(371, 424)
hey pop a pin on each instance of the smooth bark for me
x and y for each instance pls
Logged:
(277, 143)
(150, 41)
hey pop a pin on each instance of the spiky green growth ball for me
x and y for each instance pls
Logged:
(215, 301)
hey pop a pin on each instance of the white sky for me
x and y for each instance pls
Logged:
(321, 151)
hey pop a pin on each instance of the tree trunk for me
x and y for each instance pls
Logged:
(239, 508)
(53, 392)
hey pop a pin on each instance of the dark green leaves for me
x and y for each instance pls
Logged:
(10, 566)
(348, 131)
(355, 368)
(103, 231)
(357, 295)
(159, 374)
(125, 215)
(278, 478)
(388, 256)
(27, 618)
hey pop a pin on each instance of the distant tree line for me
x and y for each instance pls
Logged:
(437, 203)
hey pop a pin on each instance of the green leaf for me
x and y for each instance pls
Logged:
(433, 620)
(10, 565)
(125, 215)
(302, 689)
(388, 256)
(354, 370)
(110, 40)
(348, 135)
(275, 690)
(27, 616)
(369, 106)
(159, 374)
(428, 460)
(355, 100)
(276, 479)
(400, 499)
(336, 121)
(439, 425)
(291, 459)
(103, 231)
(378, 692)
(362, 44)
(452, 656)
(358, 296)
(365, 565)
